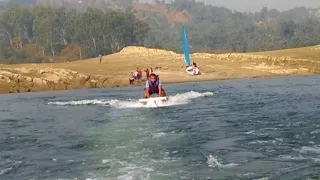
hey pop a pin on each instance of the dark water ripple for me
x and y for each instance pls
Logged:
(256, 129)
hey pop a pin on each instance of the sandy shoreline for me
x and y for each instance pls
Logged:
(115, 69)
(181, 81)
(171, 82)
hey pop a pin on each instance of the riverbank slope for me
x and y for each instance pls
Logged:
(115, 68)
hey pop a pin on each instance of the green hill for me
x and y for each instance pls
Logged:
(55, 31)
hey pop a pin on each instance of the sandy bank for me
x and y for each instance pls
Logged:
(115, 69)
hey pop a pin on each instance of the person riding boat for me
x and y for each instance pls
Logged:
(154, 86)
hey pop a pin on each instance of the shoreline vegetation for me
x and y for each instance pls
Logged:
(57, 31)
(115, 69)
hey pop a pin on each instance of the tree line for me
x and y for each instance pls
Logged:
(42, 34)
(218, 29)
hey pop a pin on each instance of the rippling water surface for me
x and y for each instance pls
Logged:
(239, 129)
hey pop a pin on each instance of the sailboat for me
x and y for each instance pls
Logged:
(185, 47)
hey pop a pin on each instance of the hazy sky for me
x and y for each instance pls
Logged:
(257, 5)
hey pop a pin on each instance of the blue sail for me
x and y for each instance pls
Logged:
(185, 46)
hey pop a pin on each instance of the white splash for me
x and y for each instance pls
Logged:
(314, 149)
(158, 135)
(9, 165)
(178, 99)
(80, 102)
(213, 162)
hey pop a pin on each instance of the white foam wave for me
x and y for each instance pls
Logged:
(81, 102)
(213, 162)
(315, 132)
(9, 165)
(184, 98)
(263, 178)
(306, 153)
(158, 135)
(250, 132)
(293, 158)
(178, 99)
(128, 170)
(314, 149)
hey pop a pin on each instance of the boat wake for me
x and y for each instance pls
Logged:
(178, 99)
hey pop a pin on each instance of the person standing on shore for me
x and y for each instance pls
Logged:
(136, 75)
(131, 78)
(100, 58)
(139, 73)
(147, 73)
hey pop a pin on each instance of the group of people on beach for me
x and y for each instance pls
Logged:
(137, 75)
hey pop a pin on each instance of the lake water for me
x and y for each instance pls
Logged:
(238, 129)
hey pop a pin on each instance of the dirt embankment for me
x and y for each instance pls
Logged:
(115, 69)
(171, 15)
(15, 80)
